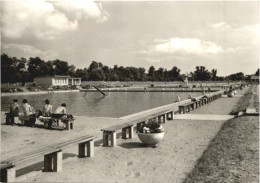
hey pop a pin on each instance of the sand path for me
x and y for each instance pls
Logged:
(130, 161)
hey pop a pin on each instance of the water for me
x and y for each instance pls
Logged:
(116, 104)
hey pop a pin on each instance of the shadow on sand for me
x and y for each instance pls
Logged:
(36, 126)
(130, 145)
(38, 166)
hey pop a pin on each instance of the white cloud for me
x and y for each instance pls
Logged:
(24, 50)
(236, 36)
(47, 19)
(186, 45)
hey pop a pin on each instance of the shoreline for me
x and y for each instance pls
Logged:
(37, 93)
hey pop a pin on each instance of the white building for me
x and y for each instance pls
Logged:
(57, 81)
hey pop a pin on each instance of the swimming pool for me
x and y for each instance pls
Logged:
(116, 104)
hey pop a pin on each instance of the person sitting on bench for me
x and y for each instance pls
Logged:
(60, 112)
(28, 111)
(14, 111)
(26, 108)
(192, 98)
(47, 109)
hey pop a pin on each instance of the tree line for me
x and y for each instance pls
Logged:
(24, 70)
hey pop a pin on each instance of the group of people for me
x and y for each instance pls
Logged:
(26, 110)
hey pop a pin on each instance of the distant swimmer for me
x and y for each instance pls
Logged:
(178, 98)
(190, 97)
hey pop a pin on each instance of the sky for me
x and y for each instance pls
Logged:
(222, 35)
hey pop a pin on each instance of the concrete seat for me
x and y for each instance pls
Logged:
(52, 157)
(128, 127)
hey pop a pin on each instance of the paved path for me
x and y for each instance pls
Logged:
(204, 117)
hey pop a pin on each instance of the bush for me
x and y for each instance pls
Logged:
(150, 127)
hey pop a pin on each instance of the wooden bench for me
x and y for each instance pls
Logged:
(27, 120)
(110, 132)
(9, 119)
(184, 107)
(52, 157)
(203, 101)
(68, 122)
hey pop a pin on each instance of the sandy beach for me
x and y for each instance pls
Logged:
(130, 161)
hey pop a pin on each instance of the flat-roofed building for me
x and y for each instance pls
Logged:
(57, 80)
(254, 78)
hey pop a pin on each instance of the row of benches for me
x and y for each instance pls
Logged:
(109, 134)
(187, 107)
(30, 121)
(53, 154)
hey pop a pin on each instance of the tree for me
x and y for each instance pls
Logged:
(174, 74)
(160, 74)
(151, 73)
(34, 66)
(202, 74)
(236, 77)
(257, 72)
(214, 74)
(142, 75)
(60, 67)
(72, 70)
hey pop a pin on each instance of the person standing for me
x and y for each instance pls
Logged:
(47, 109)
(14, 111)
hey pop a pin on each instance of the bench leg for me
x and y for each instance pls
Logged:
(161, 119)
(71, 125)
(105, 139)
(124, 133)
(82, 150)
(53, 162)
(48, 161)
(57, 161)
(131, 132)
(180, 110)
(113, 139)
(138, 125)
(170, 115)
(189, 108)
(8, 174)
(90, 148)
(46, 124)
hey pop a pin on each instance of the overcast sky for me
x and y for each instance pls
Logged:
(220, 35)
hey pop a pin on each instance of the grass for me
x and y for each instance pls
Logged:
(233, 155)
(244, 102)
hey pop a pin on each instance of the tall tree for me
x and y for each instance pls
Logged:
(151, 73)
(34, 67)
(60, 67)
(202, 74)
(174, 73)
(214, 74)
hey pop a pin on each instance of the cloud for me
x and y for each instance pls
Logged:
(23, 50)
(186, 46)
(47, 19)
(236, 36)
